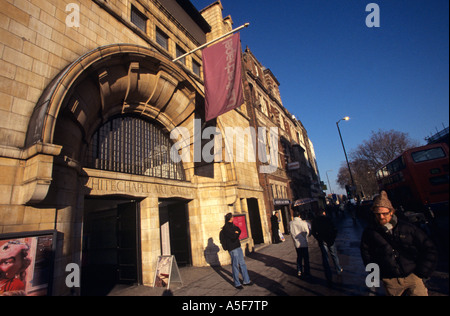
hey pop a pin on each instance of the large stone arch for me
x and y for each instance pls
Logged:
(107, 81)
(141, 79)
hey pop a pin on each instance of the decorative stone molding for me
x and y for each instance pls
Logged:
(37, 164)
(143, 79)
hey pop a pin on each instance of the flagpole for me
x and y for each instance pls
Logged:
(213, 41)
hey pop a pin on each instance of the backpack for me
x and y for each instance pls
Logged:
(223, 240)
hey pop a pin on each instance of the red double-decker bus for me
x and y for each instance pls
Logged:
(418, 179)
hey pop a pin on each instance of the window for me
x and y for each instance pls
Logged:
(392, 168)
(429, 154)
(139, 19)
(256, 70)
(395, 166)
(181, 52)
(196, 68)
(162, 39)
(131, 145)
(263, 105)
(281, 121)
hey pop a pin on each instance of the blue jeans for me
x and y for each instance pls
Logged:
(325, 248)
(237, 261)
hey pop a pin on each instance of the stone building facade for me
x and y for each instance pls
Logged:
(89, 99)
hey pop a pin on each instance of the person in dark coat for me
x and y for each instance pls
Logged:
(325, 232)
(233, 245)
(404, 254)
(275, 228)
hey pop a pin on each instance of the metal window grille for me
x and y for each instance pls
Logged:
(139, 19)
(196, 68)
(162, 39)
(181, 52)
(132, 145)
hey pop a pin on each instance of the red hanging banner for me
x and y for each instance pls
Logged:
(223, 77)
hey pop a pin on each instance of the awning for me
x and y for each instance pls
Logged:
(304, 201)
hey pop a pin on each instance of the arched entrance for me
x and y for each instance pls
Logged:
(125, 144)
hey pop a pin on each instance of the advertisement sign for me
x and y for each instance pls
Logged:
(241, 222)
(166, 272)
(26, 263)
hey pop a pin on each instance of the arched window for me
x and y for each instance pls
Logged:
(129, 144)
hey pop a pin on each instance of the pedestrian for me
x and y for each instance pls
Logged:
(275, 228)
(299, 232)
(325, 232)
(231, 234)
(404, 254)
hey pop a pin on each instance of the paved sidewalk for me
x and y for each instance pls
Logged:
(273, 272)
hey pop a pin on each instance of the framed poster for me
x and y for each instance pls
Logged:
(26, 263)
(241, 222)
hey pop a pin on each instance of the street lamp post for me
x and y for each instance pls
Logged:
(345, 153)
(329, 184)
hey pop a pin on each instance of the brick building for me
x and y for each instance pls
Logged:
(296, 176)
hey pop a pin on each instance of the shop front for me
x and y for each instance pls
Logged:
(282, 207)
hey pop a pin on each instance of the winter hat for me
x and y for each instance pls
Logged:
(382, 200)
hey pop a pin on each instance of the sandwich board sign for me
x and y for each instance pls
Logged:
(166, 272)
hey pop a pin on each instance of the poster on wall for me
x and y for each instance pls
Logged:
(241, 222)
(26, 263)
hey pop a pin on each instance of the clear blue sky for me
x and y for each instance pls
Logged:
(331, 65)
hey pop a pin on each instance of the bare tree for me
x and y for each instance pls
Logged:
(381, 148)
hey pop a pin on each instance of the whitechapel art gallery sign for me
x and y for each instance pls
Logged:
(101, 186)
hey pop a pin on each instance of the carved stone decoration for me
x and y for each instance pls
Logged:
(105, 82)
(37, 173)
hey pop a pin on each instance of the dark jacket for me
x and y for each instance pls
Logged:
(275, 224)
(398, 254)
(232, 233)
(323, 229)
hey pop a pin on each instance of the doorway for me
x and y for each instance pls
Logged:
(174, 227)
(111, 245)
(255, 221)
(285, 217)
